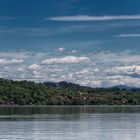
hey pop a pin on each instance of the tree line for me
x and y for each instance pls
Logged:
(63, 93)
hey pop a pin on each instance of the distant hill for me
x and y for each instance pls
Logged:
(64, 84)
(125, 87)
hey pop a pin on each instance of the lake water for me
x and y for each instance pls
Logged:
(70, 123)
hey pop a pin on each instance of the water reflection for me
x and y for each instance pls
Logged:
(70, 123)
(29, 110)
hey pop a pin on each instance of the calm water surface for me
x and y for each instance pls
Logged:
(70, 123)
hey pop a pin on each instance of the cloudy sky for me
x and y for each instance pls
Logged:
(88, 42)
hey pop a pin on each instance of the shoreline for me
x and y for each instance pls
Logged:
(69, 105)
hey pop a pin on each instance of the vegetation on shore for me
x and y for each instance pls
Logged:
(63, 93)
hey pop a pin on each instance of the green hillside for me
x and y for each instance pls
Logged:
(63, 93)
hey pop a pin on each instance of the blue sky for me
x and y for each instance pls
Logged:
(89, 42)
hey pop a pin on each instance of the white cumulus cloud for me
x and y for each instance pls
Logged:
(34, 66)
(13, 61)
(66, 60)
(101, 69)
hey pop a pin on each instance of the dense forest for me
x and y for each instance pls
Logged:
(63, 93)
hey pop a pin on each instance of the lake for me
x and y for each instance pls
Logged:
(70, 123)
